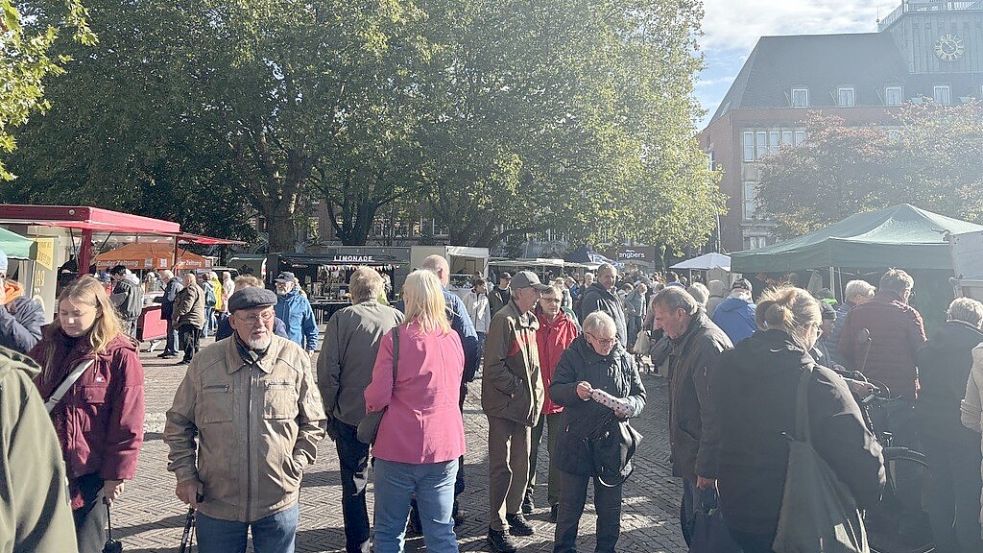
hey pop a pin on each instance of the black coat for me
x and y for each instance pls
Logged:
(597, 298)
(754, 391)
(943, 369)
(614, 373)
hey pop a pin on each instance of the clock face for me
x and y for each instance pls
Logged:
(949, 47)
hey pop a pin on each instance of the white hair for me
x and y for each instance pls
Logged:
(598, 321)
(859, 289)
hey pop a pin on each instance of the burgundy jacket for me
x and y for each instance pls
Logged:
(99, 421)
(896, 335)
(553, 338)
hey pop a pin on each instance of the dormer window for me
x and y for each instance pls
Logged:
(846, 97)
(800, 97)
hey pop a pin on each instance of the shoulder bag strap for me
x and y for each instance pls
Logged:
(69, 381)
(395, 353)
(802, 430)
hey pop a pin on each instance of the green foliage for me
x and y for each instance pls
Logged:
(931, 158)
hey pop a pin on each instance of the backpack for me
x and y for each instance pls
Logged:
(210, 300)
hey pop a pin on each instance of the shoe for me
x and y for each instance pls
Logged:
(528, 505)
(518, 525)
(167, 354)
(554, 512)
(500, 542)
(457, 516)
(182, 362)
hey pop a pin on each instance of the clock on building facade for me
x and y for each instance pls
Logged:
(949, 47)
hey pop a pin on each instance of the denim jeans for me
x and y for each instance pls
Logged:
(273, 534)
(210, 326)
(171, 345)
(573, 496)
(353, 456)
(433, 486)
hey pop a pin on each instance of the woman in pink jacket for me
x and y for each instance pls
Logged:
(421, 435)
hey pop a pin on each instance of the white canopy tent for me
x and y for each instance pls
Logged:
(705, 262)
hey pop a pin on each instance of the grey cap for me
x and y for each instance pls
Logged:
(286, 276)
(251, 298)
(526, 279)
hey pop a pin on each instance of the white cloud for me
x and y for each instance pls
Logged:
(737, 24)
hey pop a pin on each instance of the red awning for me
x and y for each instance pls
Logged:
(86, 218)
(189, 238)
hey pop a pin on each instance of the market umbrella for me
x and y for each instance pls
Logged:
(140, 256)
(705, 262)
(15, 245)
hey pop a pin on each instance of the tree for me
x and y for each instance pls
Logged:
(25, 63)
(931, 157)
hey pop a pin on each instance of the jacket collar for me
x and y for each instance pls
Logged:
(698, 321)
(523, 320)
(234, 360)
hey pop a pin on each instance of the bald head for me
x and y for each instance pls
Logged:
(437, 265)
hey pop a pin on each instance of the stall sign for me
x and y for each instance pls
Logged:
(353, 259)
(644, 254)
(46, 252)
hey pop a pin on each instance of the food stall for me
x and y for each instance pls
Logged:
(545, 268)
(151, 256)
(324, 277)
(464, 263)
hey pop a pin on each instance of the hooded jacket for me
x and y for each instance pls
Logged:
(597, 298)
(614, 373)
(296, 313)
(34, 510)
(944, 365)
(754, 390)
(99, 421)
(21, 319)
(735, 317)
(553, 338)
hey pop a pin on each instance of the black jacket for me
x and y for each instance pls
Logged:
(498, 298)
(754, 390)
(596, 298)
(943, 369)
(614, 373)
(692, 430)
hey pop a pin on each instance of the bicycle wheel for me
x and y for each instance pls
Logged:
(899, 523)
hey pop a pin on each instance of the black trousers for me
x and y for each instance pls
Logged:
(91, 518)
(753, 543)
(190, 337)
(573, 497)
(353, 456)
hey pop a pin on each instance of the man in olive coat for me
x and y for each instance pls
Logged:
(189, 316)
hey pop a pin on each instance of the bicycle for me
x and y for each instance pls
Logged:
(899, 522)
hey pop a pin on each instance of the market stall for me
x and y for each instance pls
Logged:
(464, 263)
(324, 277)
(545, 268)
(151, 256)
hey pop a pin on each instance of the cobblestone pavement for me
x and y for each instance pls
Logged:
(149, 518)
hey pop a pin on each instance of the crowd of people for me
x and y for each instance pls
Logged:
(562, 358)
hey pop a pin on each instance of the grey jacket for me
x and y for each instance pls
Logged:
(693, 430)
(596, 298)
(344, 368)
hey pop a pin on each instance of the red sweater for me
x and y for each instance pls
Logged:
(99, 421)
(553, 338)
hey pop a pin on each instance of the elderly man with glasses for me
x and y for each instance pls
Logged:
(244, 426)
(598, 386)
(20, 316)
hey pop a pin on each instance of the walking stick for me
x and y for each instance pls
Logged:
(189, 531)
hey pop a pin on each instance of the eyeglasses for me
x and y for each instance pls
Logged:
(264, 317)
(603, 341)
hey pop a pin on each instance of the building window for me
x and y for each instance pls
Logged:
(800, 137)
(755, 242)
(750, 200)
(942, 95)
(893, 96)
(710, 161)
(748, 146)
(846, 97)
(761, 144)
(800, 97)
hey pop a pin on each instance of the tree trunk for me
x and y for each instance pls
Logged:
(280, 224)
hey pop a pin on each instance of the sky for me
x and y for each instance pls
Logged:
(732, 27)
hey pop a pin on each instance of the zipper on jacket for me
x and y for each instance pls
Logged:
(249, 445)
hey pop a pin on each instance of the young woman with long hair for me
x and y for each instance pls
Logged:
(421, 434)
(99, 419)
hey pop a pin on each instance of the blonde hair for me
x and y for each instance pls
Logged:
(88, 290)
(789, 309)
(425, 305)
(247, 281)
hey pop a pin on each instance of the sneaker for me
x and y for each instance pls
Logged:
(554, 512)
(500, 542)
(518, 525)
(528, 505)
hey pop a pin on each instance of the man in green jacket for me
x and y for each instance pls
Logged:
(512, 397)
(34, 511)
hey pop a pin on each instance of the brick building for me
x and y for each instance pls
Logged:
(924, 51)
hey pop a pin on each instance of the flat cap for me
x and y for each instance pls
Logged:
(251, 298)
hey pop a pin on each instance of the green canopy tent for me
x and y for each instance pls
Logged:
(15, 245)
(898, 236)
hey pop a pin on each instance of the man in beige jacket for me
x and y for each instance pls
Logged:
(244, 425)
(512, 397)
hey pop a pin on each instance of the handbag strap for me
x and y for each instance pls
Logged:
(69, 381)
(802, 429)
(395, 353)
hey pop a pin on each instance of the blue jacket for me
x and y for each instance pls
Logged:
(736, 318)
(298, 316)
(461, 322)
(20, 324)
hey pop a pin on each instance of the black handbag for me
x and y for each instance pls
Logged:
(112, 546)
(368, 427)
(611, 449)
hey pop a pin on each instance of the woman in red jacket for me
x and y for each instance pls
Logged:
(99, 418)
(557, 330)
